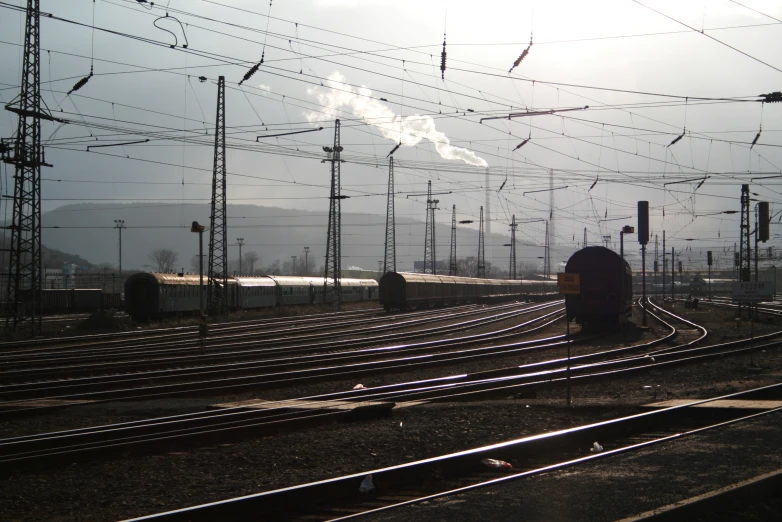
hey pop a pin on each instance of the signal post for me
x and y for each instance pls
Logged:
(569, 284)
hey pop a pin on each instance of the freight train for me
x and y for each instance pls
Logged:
(404, 290)
(155, 295)
(606, 287)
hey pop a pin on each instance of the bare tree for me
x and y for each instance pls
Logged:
(164, 259)
(249, 260)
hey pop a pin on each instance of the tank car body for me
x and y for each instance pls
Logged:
(606, 287)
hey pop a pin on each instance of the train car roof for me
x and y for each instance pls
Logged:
(170, 279)
(410, 277)
(290, 280)
(594, 257)
(254, 281)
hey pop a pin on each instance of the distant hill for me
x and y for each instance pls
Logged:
(275, 234)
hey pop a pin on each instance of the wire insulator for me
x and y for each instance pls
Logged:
(521, 57)
(774, 97)
(442, 60)
(675, 141)
(253, 70)
(756, 139)
(81, 83)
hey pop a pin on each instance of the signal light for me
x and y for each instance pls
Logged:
(763, 221)
(643, 222)
(708, 258)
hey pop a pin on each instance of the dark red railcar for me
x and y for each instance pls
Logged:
(606, 287)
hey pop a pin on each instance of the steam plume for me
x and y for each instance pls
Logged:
(337, 95)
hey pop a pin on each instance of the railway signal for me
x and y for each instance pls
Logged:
(569, 284)
(643, 238)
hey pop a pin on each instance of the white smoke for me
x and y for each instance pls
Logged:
(337, 96)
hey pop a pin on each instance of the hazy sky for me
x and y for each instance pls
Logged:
(337, 58)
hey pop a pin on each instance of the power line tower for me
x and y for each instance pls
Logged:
(585, 237)
(481, 268)
(744, 252)
(487, 206)
(512, 266)
(334, 237)
(552, 234)
(546, 255)
(217, 302)
(452, 263)
(389, 258)
(430, 253)
(25, 271)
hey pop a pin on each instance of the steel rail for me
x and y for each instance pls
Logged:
(415, 482)
(227, 384)
(256, 354)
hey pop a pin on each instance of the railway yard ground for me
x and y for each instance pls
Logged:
(132, 483)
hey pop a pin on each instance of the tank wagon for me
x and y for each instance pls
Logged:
(406, 290)
(154, 295)
(602, 299)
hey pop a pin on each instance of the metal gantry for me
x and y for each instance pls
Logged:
(389, 258)
(217, 284)
(430, 252)
(25, 270)
(334, 235)
(481, 266)
(512, 265)
(452, 261)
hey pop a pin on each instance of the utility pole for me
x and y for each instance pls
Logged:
(306, 260)
(119, 224)
(217, 299)
(656, 259)
(673, 273)
(546, 255)
(487, 207)
(389, 257)
(293, 265)
(380, 266)
(585, 237)
(430, 252)
(552, 228)
(25, 271)
(665, 265)
(240, 242)
(334, 236)
(452, 263)
(512, 266)
(481, 267)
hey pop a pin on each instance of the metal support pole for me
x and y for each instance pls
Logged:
(569, 395)
(201, 271)
(665, 265)
(673, 273)
(643, 277)
(240, 241)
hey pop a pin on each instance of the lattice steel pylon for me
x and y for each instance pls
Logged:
(452, 262)
(551, 206)
(481, 267)
(334, 235)
(512, 265)
(547, 255)
(389, 258)
(217, 285)
(25, 271)
(430, 253)
(744, 251)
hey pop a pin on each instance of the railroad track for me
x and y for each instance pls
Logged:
(44, 344)
(222, 345)
(207, 427)
(341, 499)
(259, 374)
